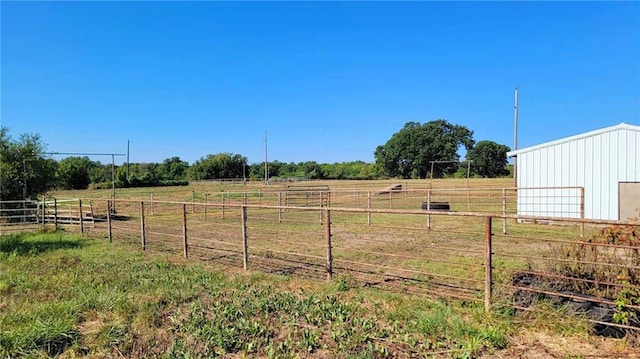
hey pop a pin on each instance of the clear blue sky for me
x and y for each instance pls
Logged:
(329, 81)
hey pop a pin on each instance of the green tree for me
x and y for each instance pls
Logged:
(222, 165)
(489, 159)
(173, 169)
(409, 151)
(24, 171)
(75, 172)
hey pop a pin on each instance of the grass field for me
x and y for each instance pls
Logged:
(63, 295)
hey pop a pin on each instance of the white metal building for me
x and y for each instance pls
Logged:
(595, 175)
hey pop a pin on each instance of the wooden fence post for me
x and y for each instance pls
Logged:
(152, 210)
(245, 244)
(206, 196)
(184, 230)
(327, 227)
(55, 213)
(279, 207)
(488, 275)
(504, 210)
(222, 205)
(81, 221)
(109, 221)
(193, 201)
(428, 208)
(142, 227)
(368, 207)
(44, 208)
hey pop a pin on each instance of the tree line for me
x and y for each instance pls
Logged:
(416, 151)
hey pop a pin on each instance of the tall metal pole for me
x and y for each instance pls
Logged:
(113, 177)
(266, 166)
(127, 160)
(515, 137)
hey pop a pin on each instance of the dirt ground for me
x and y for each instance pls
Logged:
(541, 345)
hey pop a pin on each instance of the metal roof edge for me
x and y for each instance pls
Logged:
(620, 126)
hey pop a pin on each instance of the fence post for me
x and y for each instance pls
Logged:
(184, 230)
(44, 208)
(81, 221)
(582, 211)
(245, 244)
(327, 227)
(368, 207)
(279, 207)
(504, 210)
(109, 221)
(222, 205)
(428, 208)
(152, 212)
(193, 201)
(488, 275)
(142, 229)
(206, 196)
(55, 213)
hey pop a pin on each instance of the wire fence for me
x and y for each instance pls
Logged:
(500, 260)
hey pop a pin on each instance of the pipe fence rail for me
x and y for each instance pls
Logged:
(500, 260)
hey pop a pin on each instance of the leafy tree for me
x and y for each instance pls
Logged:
(75, 172)
(173, 169)
(24, 172)
(489, 159)
(222, 165)
(408, 153)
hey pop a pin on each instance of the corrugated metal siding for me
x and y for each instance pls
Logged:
(597, 163)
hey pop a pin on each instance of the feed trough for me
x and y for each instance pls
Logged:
(436, 206)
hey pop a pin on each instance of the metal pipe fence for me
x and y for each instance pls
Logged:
(583, 264)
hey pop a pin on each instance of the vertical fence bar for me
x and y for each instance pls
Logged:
(206, 195)
(55, 213)
(81, 221)
(143, 236)
(279, 207)
(327, 227)
(44, 208)
(245, 242)
(193, 201)
(321, 213)
(152, 211)
(184, 230)
(428, 208)
(582, 211)
(109, 221)
(222, 205)
(488, 275)
(504, 210)
(368, 207)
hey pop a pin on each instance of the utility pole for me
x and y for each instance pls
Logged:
(127, 160)
(515, 137)
(266, 166)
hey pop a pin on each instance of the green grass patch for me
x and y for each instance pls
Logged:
(66, 295)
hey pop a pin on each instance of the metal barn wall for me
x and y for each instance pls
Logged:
(597, 161)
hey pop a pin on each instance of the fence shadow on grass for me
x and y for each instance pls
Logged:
(18, 244)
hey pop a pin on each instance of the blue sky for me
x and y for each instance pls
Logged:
(329, 81)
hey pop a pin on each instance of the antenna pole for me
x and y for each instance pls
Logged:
(266, 166)
(515, 137)
(127, 160)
